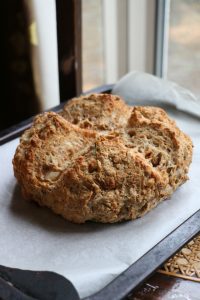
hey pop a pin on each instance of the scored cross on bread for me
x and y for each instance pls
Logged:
(102, 160)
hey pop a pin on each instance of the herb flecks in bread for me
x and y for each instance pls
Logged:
(102, 160)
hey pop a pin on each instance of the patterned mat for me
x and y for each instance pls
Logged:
(186, 263)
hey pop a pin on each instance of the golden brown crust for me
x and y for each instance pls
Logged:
(102, 112)
(116, 168)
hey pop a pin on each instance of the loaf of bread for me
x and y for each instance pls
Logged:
(102, 160)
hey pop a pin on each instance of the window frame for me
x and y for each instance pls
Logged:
(130, 45)
(161, 41)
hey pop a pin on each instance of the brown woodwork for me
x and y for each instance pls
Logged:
(18, 97)
(163, 287)
(69, 47)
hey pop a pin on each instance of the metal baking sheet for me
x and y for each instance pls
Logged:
(120, 256)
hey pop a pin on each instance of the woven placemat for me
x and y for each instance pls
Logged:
(186, 263)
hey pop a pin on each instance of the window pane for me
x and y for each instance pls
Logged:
(92, 43)
(184, 44)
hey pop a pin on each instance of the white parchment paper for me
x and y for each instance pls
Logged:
(147, 89)
(90, 255)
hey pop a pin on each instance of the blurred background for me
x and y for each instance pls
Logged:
(53, 50)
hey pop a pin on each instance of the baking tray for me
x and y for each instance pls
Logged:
(140, 270)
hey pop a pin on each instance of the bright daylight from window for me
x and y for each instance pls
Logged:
(184, 44)
(92, 43)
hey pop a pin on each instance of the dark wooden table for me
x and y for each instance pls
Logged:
(163, 287)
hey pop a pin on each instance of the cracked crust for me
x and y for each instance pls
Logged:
(117, 168)
(101, 112)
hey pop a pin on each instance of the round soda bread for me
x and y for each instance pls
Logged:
(102, 160)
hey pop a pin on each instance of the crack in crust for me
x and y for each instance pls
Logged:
(102, 160)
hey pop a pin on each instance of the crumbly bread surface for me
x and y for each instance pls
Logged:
(102, 160)
(101, 112)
